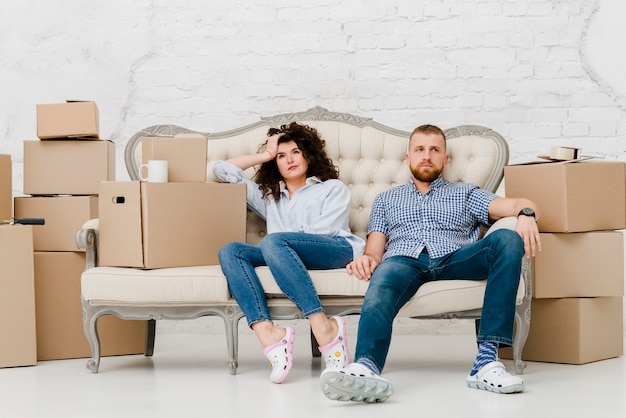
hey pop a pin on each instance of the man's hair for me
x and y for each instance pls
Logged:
(310, 143)
(428, 129)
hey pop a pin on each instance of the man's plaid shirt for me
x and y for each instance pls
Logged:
(443, 220)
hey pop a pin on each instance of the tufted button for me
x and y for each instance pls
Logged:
(262, 233)
(370, 184)
(471, 158)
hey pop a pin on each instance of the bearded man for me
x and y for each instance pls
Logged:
(428, 230)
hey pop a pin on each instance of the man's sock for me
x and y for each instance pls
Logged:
(487, 352)
(369, 364)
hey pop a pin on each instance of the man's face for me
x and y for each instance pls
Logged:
(426, 156)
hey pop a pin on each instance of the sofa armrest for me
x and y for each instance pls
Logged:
(87, 239)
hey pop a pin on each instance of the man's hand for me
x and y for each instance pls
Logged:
(527, 228)
(362, 267)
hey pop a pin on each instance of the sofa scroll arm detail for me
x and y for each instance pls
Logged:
(87, 239)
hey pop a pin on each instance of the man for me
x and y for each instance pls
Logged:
(428, 230)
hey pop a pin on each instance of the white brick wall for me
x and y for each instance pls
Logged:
(542, 73)
(534, 71)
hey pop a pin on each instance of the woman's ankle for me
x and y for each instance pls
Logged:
(324, 329)
(267, 333)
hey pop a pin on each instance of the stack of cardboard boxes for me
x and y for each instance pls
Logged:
(18, 346)
(69, 178)
(577, 306)
(62, 172)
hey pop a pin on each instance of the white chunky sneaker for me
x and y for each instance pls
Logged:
(494, 378)
(355, 382)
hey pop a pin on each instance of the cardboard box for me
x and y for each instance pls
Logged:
(155, 225)
(6, 187)
(18, 344)
(67, 167)
(68, 120)
(572, 196)
(574, 330)
(64, 215)
(579, 264)
(60, 332)
(186, 156)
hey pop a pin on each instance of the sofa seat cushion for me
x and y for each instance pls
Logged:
(169, 286)
(432, 298)
(206, 285)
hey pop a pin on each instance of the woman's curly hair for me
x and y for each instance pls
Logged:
(310, 143)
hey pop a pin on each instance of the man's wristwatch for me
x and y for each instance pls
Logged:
(526, 212)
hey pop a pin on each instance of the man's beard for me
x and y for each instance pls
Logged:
(426, 176)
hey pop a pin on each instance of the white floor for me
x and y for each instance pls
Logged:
(188, 377)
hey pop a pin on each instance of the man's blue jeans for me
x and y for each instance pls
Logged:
(497, 257)
(288, 256)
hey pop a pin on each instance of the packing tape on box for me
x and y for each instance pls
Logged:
(564, 153)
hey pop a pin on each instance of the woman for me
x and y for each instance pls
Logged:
(306, 208)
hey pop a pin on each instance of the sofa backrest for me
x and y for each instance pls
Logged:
(370, 156)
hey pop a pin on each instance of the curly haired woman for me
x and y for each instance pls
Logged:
(306, 208)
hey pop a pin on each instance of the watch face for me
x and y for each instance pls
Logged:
(527, 212)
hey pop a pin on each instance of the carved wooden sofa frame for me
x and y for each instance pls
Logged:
(370, 157)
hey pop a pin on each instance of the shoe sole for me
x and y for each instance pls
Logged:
(505, 389)
(338, 386)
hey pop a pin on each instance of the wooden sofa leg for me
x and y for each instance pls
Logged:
(231, 318)
(522, 327)
(522, 318)
(90, 321)
(150, 337)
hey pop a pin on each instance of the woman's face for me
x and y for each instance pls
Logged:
(291, 162)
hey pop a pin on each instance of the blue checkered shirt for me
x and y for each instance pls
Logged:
(443, 220)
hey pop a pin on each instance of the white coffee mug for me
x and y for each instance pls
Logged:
(157, 171)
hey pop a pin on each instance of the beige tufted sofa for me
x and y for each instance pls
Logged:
(370, 157)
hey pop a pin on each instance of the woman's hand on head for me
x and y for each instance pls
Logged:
(272, 144)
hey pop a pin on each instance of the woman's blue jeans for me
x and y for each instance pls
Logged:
(288, 255)
(497, 257)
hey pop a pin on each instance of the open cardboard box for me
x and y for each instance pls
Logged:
(18, 342)
(580, 264)
(73, 119)
(157, 225)
(60, 333)
(573, 196)
(574, 330)
(186, 156)
(67, 167)
(64, 215)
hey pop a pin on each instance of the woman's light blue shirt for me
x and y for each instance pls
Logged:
(320, 207)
